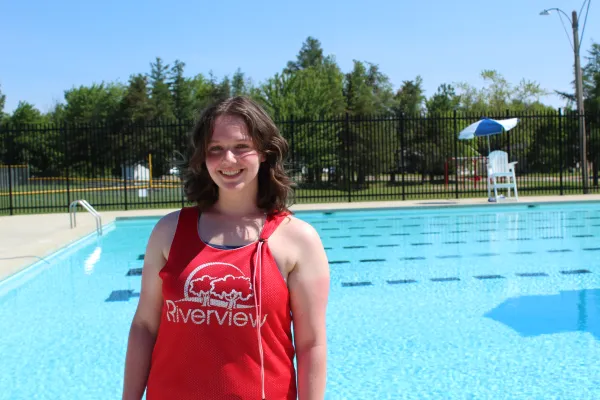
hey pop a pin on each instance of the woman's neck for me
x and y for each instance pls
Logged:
(237, 206)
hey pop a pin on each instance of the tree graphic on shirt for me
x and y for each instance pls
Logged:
(232, 289)
(202, 287)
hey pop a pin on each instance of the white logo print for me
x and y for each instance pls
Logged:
(215, 285)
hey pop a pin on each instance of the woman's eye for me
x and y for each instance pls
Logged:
(214, 148)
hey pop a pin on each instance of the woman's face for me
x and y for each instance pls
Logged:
(232, 159)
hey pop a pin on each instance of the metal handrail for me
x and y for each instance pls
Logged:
(90, 209)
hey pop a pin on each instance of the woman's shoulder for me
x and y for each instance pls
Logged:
(165, 228)
(299, 231)
(168, 221)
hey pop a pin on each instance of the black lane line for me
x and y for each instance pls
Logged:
(576, 272)
(531, 274)
(134, 272)
(121, 295)
(444, 279)
(489, 277)
(353, 284)
(400, 281)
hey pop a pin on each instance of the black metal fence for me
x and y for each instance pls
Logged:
(116, 166)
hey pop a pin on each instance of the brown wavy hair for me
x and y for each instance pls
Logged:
(274, 185)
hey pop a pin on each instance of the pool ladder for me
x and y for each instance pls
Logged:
(90, 209)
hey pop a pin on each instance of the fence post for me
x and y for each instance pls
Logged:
(508, 135)
(402, 172)
(10, 150)
(292, 142)
(348, 156)
(10, 195)
(63, 130)
(455, 157)
(560, 149)
(124, 168)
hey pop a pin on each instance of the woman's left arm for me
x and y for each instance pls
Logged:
(309, 291)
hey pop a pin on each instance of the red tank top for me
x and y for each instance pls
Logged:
(210, 344)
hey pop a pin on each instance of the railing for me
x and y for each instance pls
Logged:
(118, 166)
(90, 209)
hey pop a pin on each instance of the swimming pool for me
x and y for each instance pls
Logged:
(454, 303)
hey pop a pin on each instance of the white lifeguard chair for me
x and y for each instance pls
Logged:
(500, 169)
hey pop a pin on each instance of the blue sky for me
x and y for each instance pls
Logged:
(50, 46)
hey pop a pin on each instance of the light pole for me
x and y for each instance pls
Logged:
(578, 89)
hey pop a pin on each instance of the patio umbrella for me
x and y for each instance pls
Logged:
(487, 127)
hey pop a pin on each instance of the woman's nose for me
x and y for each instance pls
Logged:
(229, 156)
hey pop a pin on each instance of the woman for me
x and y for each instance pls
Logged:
(223, 280)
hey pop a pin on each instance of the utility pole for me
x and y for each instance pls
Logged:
(580, 108)
(574, 20)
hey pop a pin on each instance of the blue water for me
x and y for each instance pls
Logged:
(496, 302)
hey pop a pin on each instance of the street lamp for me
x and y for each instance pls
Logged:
(578, 88)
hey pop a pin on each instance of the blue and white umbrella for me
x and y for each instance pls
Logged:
(488, 127)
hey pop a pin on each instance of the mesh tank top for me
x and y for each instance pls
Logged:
(225, 330)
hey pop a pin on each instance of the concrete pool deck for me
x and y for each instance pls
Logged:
(26, 239)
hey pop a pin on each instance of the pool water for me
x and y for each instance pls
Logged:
(455, 303)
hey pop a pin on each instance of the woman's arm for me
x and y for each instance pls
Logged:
(144, 326)
(309, 291)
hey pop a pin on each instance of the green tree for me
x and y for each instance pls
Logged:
(160, 93)
(223, 89)
(443, 101)
(310, 55)
(181, 89)
(135, 104)
(90, 114)
(202, 91)
(32, 143)
(591, 90)
(26, 114)
(499, 95)
(369, 150)
(298, 98)
(240, 86)
(410, 97)
(94, 104)
(2, 103)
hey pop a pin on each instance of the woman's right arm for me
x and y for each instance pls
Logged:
(146, 320)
